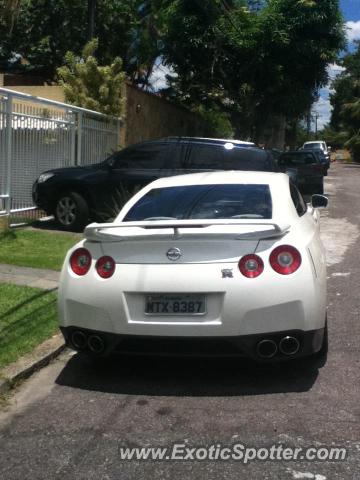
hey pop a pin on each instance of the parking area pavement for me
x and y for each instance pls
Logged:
(72, 418)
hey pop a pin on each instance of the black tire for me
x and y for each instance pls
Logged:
(72, 211)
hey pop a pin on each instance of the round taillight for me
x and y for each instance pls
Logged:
(251, 266)
(105, 267)
(80, 261)
(285, 259)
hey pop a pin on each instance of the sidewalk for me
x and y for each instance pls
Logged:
(44, 353)
(32, 277)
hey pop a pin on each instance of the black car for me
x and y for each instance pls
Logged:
(310, 170)
(324, 158)
(76, 195)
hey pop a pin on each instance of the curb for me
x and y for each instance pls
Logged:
(27, 365)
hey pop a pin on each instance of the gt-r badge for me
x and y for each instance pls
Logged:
(173, 254)
(227, 273)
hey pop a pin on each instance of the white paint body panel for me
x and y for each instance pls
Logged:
(235, 306)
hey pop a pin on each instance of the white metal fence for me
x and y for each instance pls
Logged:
(37, 134)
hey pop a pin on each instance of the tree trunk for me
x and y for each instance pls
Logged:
(10, 12)
(277, 139)
(91, 18)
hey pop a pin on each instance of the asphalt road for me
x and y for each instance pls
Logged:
(70, 419)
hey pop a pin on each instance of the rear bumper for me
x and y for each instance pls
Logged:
(310, 342)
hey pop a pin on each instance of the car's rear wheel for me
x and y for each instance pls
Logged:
(72, 211)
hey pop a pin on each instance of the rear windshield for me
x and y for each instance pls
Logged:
(203, 201)
(312, 146)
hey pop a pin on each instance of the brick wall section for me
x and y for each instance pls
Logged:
(45, 91)
(149, 116)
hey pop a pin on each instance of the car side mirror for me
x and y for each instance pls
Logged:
(329, 149)
(319, 201)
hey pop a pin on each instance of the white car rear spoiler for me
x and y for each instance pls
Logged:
(102, 232)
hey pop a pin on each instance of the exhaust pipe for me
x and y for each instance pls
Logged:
(266, 348)
(78, 339)
(96, 344)
(289, 345)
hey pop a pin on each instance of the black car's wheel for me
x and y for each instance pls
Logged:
(72, 211)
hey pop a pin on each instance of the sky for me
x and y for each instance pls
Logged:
(351, 12)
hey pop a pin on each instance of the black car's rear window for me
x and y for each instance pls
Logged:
(248, 159)
(311, 146)
(203, 201)
(218, 157)
(294, 159)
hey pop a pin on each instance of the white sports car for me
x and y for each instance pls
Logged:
(222, 263)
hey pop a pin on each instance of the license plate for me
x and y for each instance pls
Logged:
(175, 305)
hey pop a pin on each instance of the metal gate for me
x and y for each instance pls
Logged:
(37, 134)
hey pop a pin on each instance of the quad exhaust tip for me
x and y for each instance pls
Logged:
(78, 339)
(266, 348)
(96, 344)
(81, 341)
(289, 345)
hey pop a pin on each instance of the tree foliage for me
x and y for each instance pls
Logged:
(257, 62)
(88, 85)
(218, 122)
(345, 119)
(9, 10)
(252, 60)
(45, 30)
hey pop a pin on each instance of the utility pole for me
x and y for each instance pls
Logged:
(316, 116)
(308, 123)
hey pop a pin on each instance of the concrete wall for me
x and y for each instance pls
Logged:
(147, 116)
(45, 91)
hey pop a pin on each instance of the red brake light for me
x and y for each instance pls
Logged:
(251, 266)
(105, 267)
(285, 259)
(80, 261)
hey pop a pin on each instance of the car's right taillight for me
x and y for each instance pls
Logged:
(285, 259)
(105, 267)
(80, 261)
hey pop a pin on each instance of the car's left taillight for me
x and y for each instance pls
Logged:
(80, 261)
